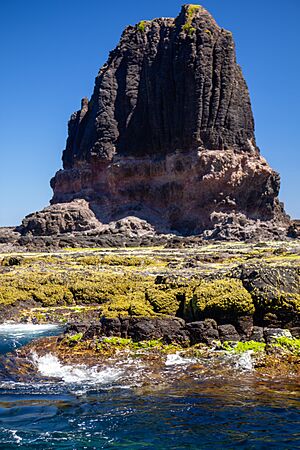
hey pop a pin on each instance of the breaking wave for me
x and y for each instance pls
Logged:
(50, 367)
(176, 359)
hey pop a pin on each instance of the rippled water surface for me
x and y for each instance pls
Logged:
(14, 336)
(94, 408)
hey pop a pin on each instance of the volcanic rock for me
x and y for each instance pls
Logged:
(275, 292)
(228, 333)
(167, 137)
(294, 229)
(271, 334)
(203, 331)
(60, 218)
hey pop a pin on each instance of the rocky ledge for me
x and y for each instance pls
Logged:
(170, 330)
(159, 361)
(236, 286)
(223, 297)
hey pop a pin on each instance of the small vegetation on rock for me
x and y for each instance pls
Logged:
(221, 298)
(254, 346)
(292, 345)
(188, 27)
(75, 338)
(192, 9)
(141, 26)
(114, 260)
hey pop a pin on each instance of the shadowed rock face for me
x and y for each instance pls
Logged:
(170, 85)
(168, 136)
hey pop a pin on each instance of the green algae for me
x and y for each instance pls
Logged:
(289, 344)
(277, 301)
(163, 300)
(198, 282)
(242, 347)
(219, 298)
(75, 338)
(114, 260)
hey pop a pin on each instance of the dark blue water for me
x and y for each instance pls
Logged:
(109, 412)
(15, 336)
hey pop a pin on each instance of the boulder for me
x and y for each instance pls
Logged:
(257, 334)
(244, 326)
(274, 289)
(202, 331)
(169, 330)
(271, 334)
(228, 333)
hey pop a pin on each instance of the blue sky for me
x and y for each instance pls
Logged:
(51, 51)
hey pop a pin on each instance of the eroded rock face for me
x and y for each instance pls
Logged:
(74, 224)
(171, 84)
(167, 137)
(168, 134)
(187, 192)
(60, 218)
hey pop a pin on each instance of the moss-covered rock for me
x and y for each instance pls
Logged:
(53, 295)
(223, 300)
(274, 289)
(289, 344)
(164, 300)
(193, 283)
(9, 261)
(10, 295)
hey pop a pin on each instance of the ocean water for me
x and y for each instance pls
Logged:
(14, 336)
(78, 407)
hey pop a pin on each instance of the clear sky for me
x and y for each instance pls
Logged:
(51, 51)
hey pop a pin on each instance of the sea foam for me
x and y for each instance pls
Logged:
(50, 366)
(176, 359)
(244, 361)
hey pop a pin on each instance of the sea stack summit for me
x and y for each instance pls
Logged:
(166, 143)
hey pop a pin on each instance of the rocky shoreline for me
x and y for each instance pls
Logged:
(244, 286)
(220, 296)
(276, 357)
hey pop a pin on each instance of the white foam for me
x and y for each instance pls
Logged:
(176, 359)
(17, 438)
(245, 361)
(50, 366)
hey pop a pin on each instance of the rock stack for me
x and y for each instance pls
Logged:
(166, 142)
